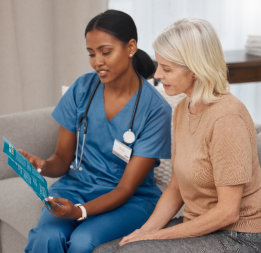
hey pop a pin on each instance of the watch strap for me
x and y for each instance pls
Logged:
(84, 212)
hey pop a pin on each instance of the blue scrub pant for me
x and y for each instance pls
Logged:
(58, 235)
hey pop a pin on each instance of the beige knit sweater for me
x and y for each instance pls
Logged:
(217, 148)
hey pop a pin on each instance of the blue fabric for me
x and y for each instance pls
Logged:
(102, 170)
(62, 235)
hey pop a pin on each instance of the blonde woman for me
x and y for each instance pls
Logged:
(216, 172)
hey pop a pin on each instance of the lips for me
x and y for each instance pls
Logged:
(102, 72)
(166, 85)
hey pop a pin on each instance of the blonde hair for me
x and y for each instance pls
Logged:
(194, 44)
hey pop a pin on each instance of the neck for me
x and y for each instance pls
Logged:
(126, 84)
(197, 108)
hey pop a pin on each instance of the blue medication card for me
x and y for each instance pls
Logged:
(26, 171)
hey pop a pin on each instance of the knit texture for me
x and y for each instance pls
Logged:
(217, 147)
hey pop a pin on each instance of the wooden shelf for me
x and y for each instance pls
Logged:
(242, 67)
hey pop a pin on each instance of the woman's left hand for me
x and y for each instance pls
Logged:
(138, 235)
(64, 208)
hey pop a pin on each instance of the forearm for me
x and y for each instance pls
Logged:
(55, 166)
(216, 218)
(107, 202)
(225, 212)
(168, 205)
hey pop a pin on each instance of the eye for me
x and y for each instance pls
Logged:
(106, 52)
(166, 70)
(91, 55)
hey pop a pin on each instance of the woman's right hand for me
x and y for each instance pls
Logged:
(131, 236)
(36, 161)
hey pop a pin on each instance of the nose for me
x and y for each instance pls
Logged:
(98, 60)
(157, 74)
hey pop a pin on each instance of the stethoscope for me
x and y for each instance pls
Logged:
(128, 137)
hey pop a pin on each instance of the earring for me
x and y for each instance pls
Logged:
(130, 55)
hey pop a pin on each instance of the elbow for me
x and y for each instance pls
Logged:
(234, 217)
(230, 217)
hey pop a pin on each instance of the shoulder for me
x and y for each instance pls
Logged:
(80, 87)
(85, 80)
(230, 112)
(227, 106)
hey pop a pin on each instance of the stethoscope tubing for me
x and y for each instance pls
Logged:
(84, 117)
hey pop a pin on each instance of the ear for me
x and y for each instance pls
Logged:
(132, 47)
(194, 77)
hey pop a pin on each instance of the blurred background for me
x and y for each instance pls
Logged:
(42, 45)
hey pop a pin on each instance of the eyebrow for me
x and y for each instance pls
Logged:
(164, 65)
(100, 47)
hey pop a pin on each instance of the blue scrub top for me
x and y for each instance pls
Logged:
(102, 170)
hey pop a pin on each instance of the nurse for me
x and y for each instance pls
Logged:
(106, 188)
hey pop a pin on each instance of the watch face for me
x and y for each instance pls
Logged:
(129, 137)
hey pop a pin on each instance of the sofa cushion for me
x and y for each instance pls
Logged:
(20, 207)
(8, 236)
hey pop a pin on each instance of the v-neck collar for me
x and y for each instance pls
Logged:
(128, 104)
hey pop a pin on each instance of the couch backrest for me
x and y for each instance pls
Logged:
(34, 131)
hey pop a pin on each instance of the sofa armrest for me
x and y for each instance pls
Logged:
(34, 131)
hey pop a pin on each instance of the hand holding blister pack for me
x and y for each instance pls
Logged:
(26, 171)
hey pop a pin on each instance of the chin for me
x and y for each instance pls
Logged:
(105, 80)
(170, 92)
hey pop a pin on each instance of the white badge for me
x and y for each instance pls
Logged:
(121, 150)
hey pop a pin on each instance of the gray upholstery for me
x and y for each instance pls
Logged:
(36, 132)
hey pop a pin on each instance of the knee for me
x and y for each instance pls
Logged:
(45, 239)
(81, 243)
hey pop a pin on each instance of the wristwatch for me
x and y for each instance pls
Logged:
(84, 212)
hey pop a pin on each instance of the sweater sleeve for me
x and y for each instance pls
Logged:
(230, 151)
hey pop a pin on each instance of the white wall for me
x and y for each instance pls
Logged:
(233, 20)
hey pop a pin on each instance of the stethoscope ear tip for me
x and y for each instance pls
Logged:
(74, 168)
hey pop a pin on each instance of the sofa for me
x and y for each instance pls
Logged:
(36, 132)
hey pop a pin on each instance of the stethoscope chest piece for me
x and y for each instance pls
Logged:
(129, 137)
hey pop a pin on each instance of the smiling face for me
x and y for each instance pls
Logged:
(175, 79)
(109, 57)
